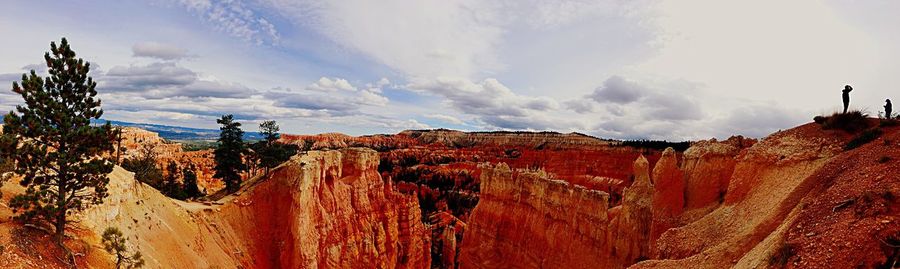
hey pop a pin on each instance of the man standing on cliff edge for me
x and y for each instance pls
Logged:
(846, 97)
(887, 109)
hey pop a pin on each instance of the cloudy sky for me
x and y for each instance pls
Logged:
(660, 69)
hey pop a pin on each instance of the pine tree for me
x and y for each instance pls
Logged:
(63, 159)
(228, 155)
(171, 187)
(267, 157)
(190, 181)
(269, 130)
(114, 243)
(271, 152)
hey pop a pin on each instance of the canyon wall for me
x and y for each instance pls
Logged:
(135, 141)
(729, 203)
(319, 210)
(708, 167)
(528, 219)
(796, 199)
(525, 220)
(768, 182)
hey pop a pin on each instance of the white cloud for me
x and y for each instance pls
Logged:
(334, 95)
(619, 91)
(433, 38)
(580, 106)
(445, 118)
(331, 84)
(235, 19)
(158, 50)
(493, 104)
(162, 80)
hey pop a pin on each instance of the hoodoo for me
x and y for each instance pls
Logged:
(631, 228)
(668, 197)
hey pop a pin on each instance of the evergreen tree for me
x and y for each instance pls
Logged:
(119, 148)
(228, 155)
(190, 182)
(114, 243)
(5, 167)
(171, 187)
(63, 159)
(271, 152)
(269, 130)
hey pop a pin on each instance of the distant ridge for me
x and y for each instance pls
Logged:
(178, 132)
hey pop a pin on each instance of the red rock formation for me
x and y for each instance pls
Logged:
(448, 251)
(441, 166)
(320, 210)
(525, 220)
(852, 220)
(631, 227)
(135, 139)
(668, 198)
(338, 215)
(708, 166)
(768, 182)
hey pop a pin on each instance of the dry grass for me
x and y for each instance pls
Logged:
(853, 121)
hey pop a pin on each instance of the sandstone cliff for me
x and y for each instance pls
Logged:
(525, 220)
(668, 197)
(708, 166)
(768, 181)
(134, 141)
(796, 199)
(631, 226)
(321, 210)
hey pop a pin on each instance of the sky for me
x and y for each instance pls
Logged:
(644, 69)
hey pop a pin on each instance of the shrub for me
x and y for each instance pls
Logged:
(782, 255)
(863, 138)
(819, 119)
(144, 167)
(852, 121)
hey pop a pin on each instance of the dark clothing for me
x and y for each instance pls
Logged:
(887, 109)
(846, 97)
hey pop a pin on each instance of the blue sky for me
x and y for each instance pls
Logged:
(660, 69)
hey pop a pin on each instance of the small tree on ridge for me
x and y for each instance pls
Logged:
(114, 243)
(271, 152)
(228, 155)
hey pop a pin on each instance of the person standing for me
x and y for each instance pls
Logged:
(846, 97)
(887, 108)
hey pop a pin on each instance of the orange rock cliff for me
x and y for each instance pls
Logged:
(447, 199)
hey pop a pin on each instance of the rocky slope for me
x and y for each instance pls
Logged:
(795, 199)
